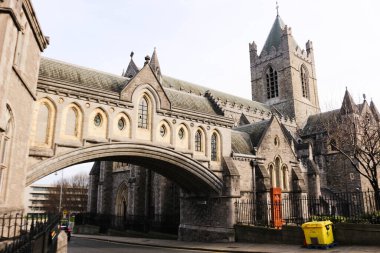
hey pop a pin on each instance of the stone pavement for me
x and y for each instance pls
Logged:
(225, 247)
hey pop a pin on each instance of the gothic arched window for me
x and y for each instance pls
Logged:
(45, 123)
(272, 82)
(285, 177)
(72, 121)
(214, 147)
(198, 141)
(277, 172)
(305, 82)
(5, 144)
(42, 124)
(143, 113)
(271, 175)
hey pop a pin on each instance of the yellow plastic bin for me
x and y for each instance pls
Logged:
(318, 233)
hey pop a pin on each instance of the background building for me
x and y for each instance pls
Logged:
(46, 199)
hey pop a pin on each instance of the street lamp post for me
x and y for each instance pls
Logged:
(60, 194)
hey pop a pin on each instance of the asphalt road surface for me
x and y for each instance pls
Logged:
(82, 245)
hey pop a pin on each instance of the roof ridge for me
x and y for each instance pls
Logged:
(82, 67)
(206, 89)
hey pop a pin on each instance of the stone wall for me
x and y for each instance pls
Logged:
(21, 42)
(207, 219)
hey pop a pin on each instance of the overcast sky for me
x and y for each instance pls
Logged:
(206, 41)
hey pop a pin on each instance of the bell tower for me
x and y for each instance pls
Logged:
(283, 74)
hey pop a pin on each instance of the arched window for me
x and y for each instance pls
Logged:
(277, 171)
(305, 82)
(44, 126)
(5, 144)
(285, 177)
(72, 122)
(214, 147)
(98, 120)
(143, 113)
(121, 124)
(162, 130)
(272, 82)
(198, 141)
(271, 175)
(181, 133)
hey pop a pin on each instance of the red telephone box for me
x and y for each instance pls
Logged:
(275, 195)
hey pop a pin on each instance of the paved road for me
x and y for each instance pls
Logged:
(81, 245)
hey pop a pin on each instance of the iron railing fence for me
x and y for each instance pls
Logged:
(30, 233)
(350, 207)
(142, 223)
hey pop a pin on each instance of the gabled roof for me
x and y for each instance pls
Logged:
(241, 143)
(274, 37)
(348, 104)
(187, 87)
(81, 76)
(364, 108)
(132, 69)
(154, 64)
(315, 122)
(255, 130)
(191, 102)
(182, 94)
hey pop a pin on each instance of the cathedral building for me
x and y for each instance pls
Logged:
(280, 128)
(165, 148)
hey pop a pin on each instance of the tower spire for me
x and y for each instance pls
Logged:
(132, 69)
(277, 7)
(154, 64)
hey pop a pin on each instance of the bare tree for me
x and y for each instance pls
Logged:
(73, 197)
(357, 138)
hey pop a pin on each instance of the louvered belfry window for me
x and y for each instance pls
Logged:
(272, 82)
(305, 82)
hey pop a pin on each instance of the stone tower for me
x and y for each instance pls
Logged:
(283, 75)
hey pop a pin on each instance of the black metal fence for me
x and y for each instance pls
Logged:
(159, 223)
(31, 233)
(351, 207)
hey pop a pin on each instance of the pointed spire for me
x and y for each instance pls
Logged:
(277, 7)
(348, 104)
(132, 69)
(154, 64)
(274, 37)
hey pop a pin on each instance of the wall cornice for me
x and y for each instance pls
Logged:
(42, 41)
(49, 86)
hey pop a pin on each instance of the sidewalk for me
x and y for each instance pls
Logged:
(224, 247)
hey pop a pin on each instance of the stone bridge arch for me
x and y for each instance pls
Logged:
(182, 169)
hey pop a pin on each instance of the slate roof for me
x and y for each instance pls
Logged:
(241, 143)
(274, 37)
(275, 34)
(181, 94)
(82, 76)
(314, 122)
(191, 102)
(132, 69)
(187, 87)
(254, 130)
